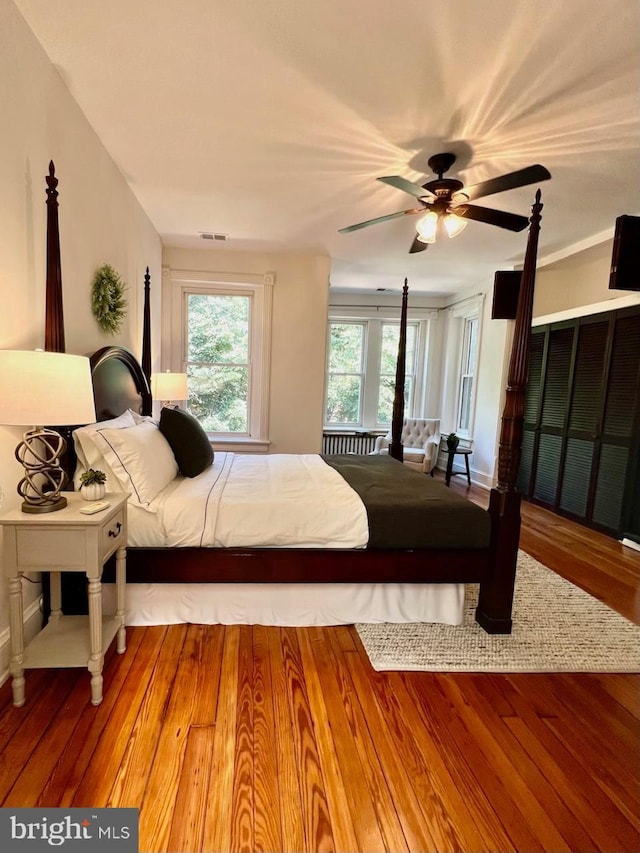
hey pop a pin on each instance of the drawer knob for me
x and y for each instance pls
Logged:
(116, 532)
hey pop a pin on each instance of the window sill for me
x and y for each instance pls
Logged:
(240, 445)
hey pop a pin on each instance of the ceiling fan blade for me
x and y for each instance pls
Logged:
(417, 246)
(380, 219)
(406, 186)
(521, 178)
(510, 221)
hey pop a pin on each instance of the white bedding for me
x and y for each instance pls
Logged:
(273, 501)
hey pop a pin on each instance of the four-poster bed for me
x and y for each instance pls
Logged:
(120, 384)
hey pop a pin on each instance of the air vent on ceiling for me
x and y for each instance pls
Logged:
(209, 235)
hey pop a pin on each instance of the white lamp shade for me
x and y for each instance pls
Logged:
(169, 386)
(38, 388)
(454, 224)
(427, 227)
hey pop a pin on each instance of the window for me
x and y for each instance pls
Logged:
(467, 373)
(388, 362)
(219, 334)
(361, 371)
(218, 363)
(346, 373)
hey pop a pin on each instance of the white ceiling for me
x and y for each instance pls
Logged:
(269, 120)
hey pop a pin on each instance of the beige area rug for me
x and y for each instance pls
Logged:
(557, 627)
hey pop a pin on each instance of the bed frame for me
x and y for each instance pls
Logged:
(120, 382)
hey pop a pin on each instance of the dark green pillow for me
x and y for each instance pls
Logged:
(187, 439)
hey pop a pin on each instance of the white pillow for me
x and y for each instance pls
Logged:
(88, 452)
(140, 457)
(138, 418)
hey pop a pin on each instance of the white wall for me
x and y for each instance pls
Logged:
(299, 323)
(100, 221)
(495, 347)
(577, 282)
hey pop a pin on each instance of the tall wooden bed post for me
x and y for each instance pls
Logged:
(54, 319)
(147, 402)
(54, 340)
(495, 600)
(54, 315)
(397, 417)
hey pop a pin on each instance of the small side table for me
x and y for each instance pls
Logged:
(459, 451)
(66, 541)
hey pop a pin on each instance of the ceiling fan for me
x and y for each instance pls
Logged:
(444, 202)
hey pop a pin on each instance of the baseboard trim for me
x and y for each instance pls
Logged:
(478, 478)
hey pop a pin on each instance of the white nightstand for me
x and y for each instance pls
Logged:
(68, 541)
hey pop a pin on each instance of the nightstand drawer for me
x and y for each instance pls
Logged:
(51, 549)
(113, 533)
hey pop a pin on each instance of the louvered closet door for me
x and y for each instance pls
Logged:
(553, 415)
(617, 466)
(583, 427)
(581, 446)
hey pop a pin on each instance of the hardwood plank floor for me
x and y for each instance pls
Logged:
(253, 738)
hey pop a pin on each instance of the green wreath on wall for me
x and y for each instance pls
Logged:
(107, 299)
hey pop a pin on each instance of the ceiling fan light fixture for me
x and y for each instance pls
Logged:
(441, 198)
(427, 227)
(454, 224)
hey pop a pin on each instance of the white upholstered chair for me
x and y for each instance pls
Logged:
(420, 443)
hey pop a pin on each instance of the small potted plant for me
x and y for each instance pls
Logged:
(92, 484)
(452, 442)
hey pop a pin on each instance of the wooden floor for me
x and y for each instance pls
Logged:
(253, 738)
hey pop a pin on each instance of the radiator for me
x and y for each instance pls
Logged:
(336, 442)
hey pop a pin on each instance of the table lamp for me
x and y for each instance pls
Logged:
(169, 387)
(44, 388)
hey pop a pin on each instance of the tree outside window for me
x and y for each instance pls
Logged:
(345, 374)
(217, 360)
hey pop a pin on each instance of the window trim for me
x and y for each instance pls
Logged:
(260, 290)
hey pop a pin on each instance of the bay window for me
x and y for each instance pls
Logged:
(361, 371)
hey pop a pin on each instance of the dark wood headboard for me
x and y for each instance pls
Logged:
(119, 383)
